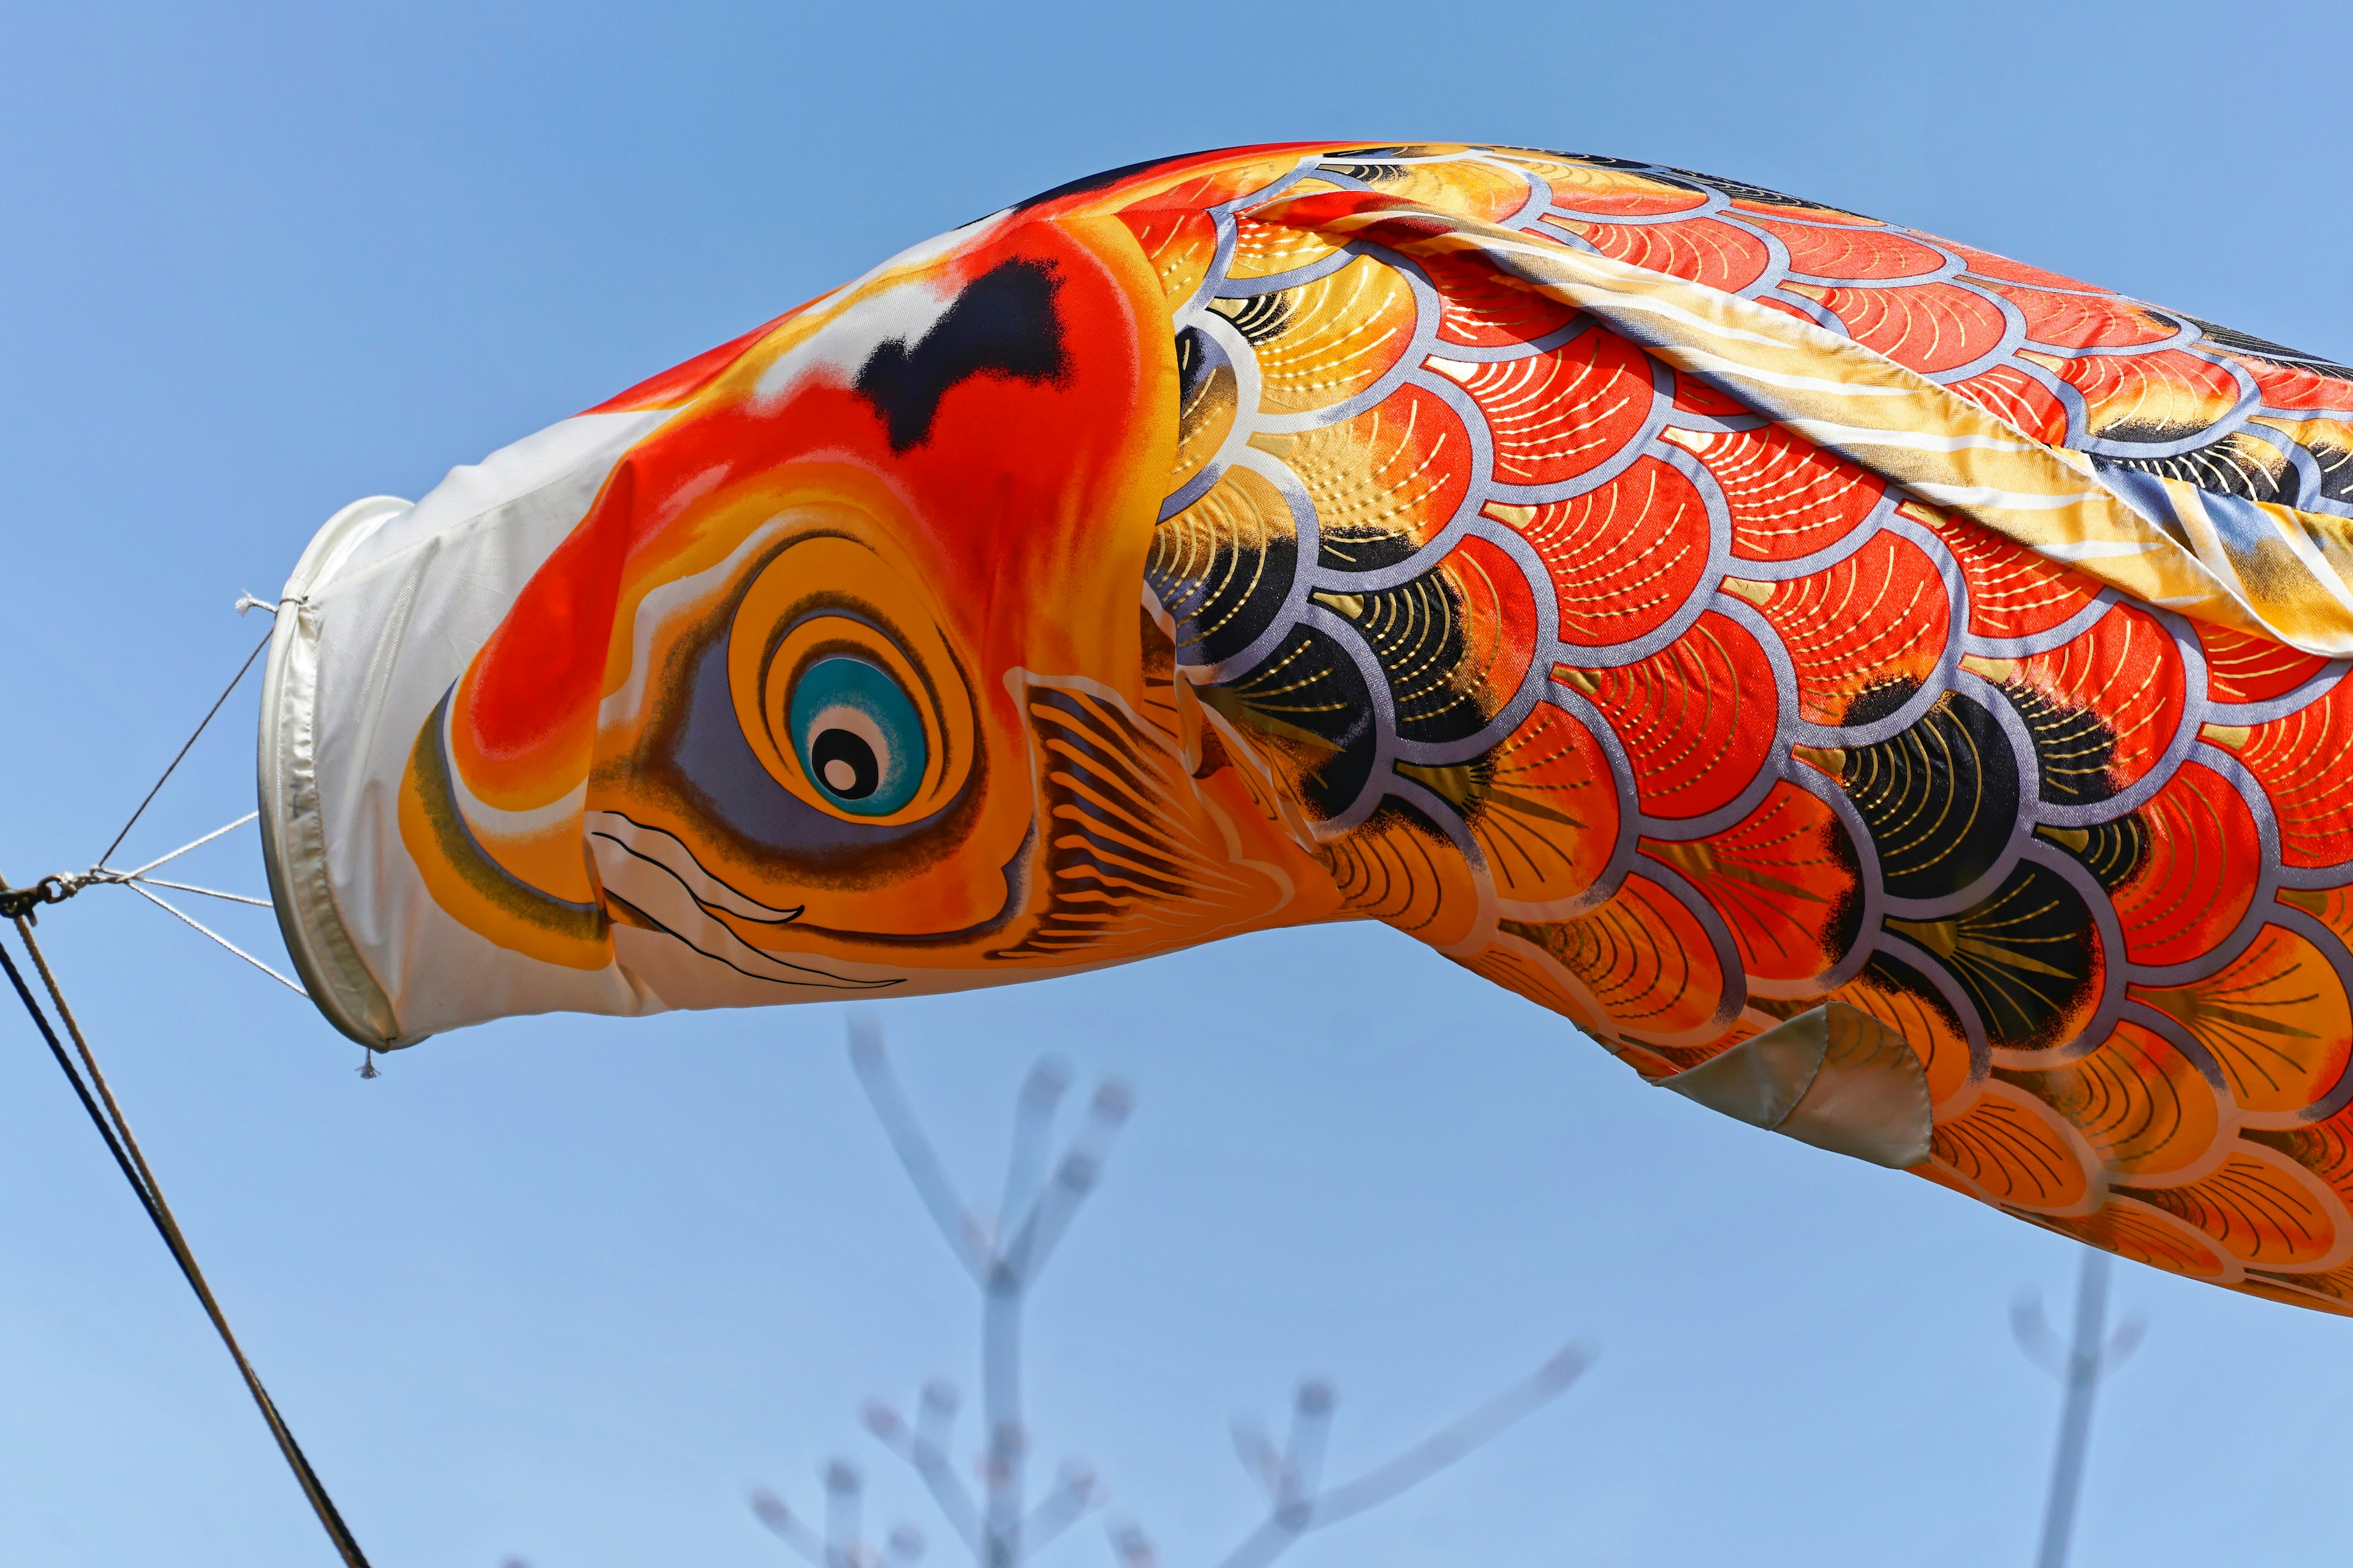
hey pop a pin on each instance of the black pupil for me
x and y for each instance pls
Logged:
(840, 752)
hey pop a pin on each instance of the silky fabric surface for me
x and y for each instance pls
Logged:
(1689, 606)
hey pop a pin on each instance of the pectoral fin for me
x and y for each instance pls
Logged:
(1835, 1078)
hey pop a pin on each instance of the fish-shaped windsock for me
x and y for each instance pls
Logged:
(1886, 692)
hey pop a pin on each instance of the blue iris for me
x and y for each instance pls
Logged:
(860, 739)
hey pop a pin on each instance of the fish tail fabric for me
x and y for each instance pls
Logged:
(1883, 691)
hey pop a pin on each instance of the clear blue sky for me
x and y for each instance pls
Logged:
(565, 1290)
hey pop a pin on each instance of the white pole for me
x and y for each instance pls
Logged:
(2083, 1359)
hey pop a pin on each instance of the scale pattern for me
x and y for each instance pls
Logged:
(1644, 704)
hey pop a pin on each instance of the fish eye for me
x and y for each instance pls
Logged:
(846, 688)
(859, 737)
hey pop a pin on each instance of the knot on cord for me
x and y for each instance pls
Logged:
(18, 903)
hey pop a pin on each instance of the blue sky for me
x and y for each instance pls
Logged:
(565, 1290)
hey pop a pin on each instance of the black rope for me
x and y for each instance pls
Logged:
(232, 685)
(115, 1131)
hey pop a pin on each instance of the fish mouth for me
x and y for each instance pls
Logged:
(653, 879)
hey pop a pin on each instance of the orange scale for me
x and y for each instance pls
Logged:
(2324, 1148)
(1332, 338)
(1557, 414)
(1547, 813)
(2143, 1107)
(1996, 268)
(1703, 250)
(2165, 388)
(1623, 557)
(1480, 306)
(1473, 187)
(1525, 969)
(2332, 907)
(2191, 885)
(1879, 615)
(1401, 870)
(1782, 879)
(1694, 397)
(1784, 307)
(2014, 1149)
(1495, 610)
(1180, 246)
(2276, 1020)
(1697, 718)
(1213, 186)
(2013, 591)
(1401, 467)
(1928, 326)
(2305, 762)
(1643, 957)
(2147, 1236)
(2319, 1291)
(1755, 207)
(1583, 189)
(1931, 1031)
(2292, 386)
(1263, 249)
(2127, 671)
(2259, 1206)
(1785, 497)
(1850, 252)
(2242, 668)
(2085, 321)
(2019, 400)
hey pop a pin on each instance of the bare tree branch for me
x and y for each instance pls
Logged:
(921, 1162)
(806, 1543)
(925, 1449)
(2032, 1329)
(1033, 1122)
(842, 1486)
(1256, 1452)
(1303, 1455)
(1004, 1255)
(1434, 1453)
(1025, 1254)
(1077, 1493)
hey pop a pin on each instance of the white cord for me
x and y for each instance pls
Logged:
(216, 936)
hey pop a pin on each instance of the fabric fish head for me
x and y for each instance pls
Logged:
(774, 683)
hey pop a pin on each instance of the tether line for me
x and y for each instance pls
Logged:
(115, 1131)
(175, 761)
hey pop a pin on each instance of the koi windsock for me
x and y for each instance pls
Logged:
(1886, 692)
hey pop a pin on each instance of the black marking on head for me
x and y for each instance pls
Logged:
(1003, 324)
